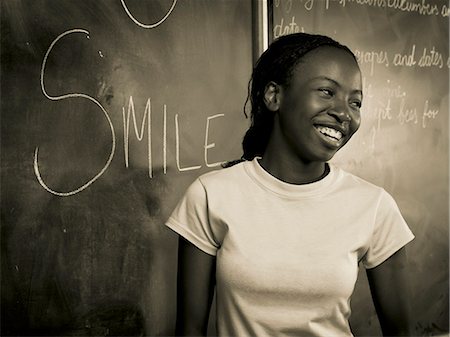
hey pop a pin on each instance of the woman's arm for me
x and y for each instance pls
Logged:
(196, 281)
(390, 292)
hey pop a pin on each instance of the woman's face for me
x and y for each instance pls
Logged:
(319, 111)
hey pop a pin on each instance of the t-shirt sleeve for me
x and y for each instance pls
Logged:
(390, 233)
(190, 219)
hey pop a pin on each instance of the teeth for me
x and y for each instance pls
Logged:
(330, 132)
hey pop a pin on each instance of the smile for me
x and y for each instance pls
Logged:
(330, 133)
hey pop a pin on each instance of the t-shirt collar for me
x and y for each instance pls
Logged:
(268, 181)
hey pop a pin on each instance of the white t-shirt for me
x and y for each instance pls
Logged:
(287, 255)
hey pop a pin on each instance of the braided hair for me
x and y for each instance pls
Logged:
(276, 64)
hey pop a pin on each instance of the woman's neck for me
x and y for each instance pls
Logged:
(293, 171)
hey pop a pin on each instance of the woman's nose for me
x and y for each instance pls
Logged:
(341, 113)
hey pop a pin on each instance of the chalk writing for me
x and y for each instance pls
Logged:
(367, 88)
(407, 115)
(388, 103)
(445, 11)
(383, 112)
(138, 131)
(290, 28)
(62, 97)
(146, 120)
(428, 114)
(431, 58)
(405, 59)
(396, 92)
(152, 25)
(423, 7)
(210, 145)
(177, 149)
(287, 5)
(372, 57)
(139, 135)
(309, 4)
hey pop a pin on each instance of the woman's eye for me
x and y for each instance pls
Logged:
(326, 91)
(356, 104)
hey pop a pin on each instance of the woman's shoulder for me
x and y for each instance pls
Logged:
(357, 181)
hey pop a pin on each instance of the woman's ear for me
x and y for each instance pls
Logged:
(272, 96)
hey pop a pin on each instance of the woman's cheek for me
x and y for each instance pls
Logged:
(318, 105)
(355, 123)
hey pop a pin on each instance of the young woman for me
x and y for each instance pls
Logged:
(281, 233)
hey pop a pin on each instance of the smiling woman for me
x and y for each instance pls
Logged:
(274, 231)
(316, 113)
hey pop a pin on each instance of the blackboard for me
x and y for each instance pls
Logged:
(109, 109)
(402, 145)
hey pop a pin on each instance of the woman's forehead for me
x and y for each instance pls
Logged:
(329, 54)
(331, 63)
(327, 60)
